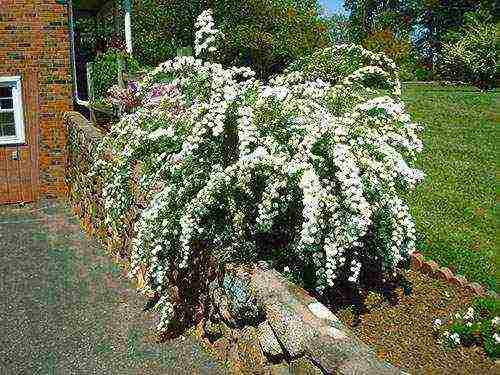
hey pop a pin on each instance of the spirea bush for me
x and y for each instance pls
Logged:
(228, 163)
(474, 55)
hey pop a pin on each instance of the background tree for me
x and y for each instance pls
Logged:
(269, 34)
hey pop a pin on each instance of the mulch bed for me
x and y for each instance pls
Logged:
(402, 334)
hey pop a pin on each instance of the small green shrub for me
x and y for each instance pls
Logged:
(105, 71)
(479, 325)
(472, 53)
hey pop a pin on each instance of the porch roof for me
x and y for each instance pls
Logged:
(90, 4)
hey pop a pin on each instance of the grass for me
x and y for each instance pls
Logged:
(455, 207)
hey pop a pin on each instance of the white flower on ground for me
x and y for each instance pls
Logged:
(469, 314)
(497, 338)
(437, 323)
(495, 321)
(455, 338)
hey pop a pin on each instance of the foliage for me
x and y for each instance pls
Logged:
(105, 70)
(367, 16)
(429, 23)
(262, 34)
(160, 27)
(455, 209)
(231, 167)
(266, 35)
(386, 41)
(473, 55)
(438, 17)
(338, 29)
(479, 325)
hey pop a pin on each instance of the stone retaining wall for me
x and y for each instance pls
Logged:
(284, 329)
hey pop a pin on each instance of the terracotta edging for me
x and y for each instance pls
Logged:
(432, 269)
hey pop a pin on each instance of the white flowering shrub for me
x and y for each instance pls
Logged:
(473, 55)
(316, 163)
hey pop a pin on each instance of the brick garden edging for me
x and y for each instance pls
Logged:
(432, 269)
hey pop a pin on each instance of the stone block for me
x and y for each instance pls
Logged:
(321, 311)
(430, 267)
(290, 329)
(334, 333)
(249, 350)
(281, 369)
(303, 366)
(417, 260)
(268, 341)
(243, 304)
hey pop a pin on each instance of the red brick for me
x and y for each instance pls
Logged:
(475, 288)
(430, 268)
(417, 261)
(459, 280)
(444, 274)
(26, 22)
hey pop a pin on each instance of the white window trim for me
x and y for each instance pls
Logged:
(17, 99)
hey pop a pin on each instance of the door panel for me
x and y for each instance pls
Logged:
(19, 163)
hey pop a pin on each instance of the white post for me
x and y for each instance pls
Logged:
(128, 25)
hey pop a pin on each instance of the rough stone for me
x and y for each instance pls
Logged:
(302, 366)
(280, 369)
(444, 274)
(368, 366)
(267, 339)
(250, 352)
(322, 312)
(243, 304)
(334, 333)
(417, 260)
(430, 267)
(349, 356)
(212, 330)
(290, 329)
(223, 306)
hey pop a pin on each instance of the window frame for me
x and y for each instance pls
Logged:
(17, 100)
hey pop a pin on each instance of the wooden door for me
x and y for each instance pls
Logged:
(19, 162)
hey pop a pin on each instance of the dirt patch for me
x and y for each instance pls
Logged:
(402, 334)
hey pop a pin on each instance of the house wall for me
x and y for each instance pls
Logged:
(34, 43)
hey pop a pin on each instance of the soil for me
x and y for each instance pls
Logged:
(402, 334)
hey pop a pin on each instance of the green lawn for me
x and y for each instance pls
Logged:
(454, 208)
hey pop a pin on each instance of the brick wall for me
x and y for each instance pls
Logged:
(34, 35)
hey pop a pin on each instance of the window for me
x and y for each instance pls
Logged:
(11, 111)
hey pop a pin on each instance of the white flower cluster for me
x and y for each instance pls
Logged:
(206, 35)
(469, 318)
(210, 133)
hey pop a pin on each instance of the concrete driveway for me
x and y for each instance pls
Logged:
(65, 308)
